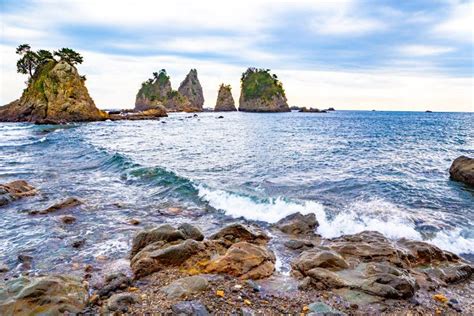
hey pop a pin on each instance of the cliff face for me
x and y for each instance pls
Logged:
(262, 92)
(55, 94)
(176, 102)
(225, 101)
(153, 93)
(191, 89)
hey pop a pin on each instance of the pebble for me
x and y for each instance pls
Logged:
(220, 293)
(440, 298)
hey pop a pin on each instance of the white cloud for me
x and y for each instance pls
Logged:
(346, 25)
(459, 23)
(424, 50)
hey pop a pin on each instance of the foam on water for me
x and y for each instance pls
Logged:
(376, 215)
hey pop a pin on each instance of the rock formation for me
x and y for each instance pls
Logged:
(56, 93)
(15, 190)
(462, 170)
(154, 92)
(225, 101)
(191, 89)
(262, 92)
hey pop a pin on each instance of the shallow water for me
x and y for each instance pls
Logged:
(385, 171)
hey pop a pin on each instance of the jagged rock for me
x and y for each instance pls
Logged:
(462, 170)
(150, 114)
(55, 94)
(192, 90)
(297, 223)
(262, 92)
(311, 110)
(114, 282)
(154, 92)
(48, 295)
(121, 302)
(245, 260)
(176, 102)
(191, 232)
(237, 232)
(67, 219)
(15, 190)
(67, 203)
(185, 286)
(225, 101)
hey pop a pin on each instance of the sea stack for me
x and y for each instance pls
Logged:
(56, 93)
(191, 89)
(462, 169)
(225, 101)
(262, 92)
(153, 92)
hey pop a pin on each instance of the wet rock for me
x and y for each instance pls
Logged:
(114, 282)
(185, 286)
(390, 286)
(122, 301)
(159, 255)
(246, 311)
(66, 204)
(48, 295)
(421, 253)
(154, 113)
(25, 258)
(78, 243)
(322, 309)
(462, 169)
(166, 233)
(296, 244)
(134, 222)
(191, 232)
(245, 260)
(237, 232)
(15, 190)
(67, 219)
(319, 259)
(194, 308)
(323, 278)
(296, 224)
(3, 268)
(62, 98)
(225, 101)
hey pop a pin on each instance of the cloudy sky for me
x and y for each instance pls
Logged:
(349, 54)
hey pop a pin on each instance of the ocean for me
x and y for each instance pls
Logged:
(356, 170)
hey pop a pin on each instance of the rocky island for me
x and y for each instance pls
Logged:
(56, 93)
(156, 93)
(225, 101)
(462, 170)
(262, 92)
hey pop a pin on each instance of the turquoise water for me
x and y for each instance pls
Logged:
(385, 171)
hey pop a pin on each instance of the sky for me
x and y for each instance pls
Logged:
(410, 55)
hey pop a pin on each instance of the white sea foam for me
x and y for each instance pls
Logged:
(377, 215)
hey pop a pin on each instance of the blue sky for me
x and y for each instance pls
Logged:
(388, 55)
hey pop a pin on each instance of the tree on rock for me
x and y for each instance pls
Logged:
(28, 61)
(69, 55)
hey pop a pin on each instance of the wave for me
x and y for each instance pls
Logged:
(376, 215)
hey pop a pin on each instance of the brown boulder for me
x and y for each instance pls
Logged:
(462, 169)
(235, 233)
(166, 233)
(297, 223)
(244, 260)
(15, 190)
(67, 203)
(319, 259)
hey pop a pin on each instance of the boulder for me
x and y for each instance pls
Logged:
(191, 232)
(237, 232)
(225, 101)
(462, 169)
(192, 90)
(296, 224)
(185, 286)
(121, 301)
(165, 233)
(15, 190)
(319, 259)
(244, 260)
(65, 204)
(189, 308)
(159, 255)
(56, 93)
(46, 295)
(114, 282)
(262, 92)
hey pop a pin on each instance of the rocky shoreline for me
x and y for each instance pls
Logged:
(237, 269)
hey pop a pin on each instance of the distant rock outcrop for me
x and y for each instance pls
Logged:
(56, 93)
(462, 170)
(191, 88)
(156, 93)
(225, 101)
(262, 92)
